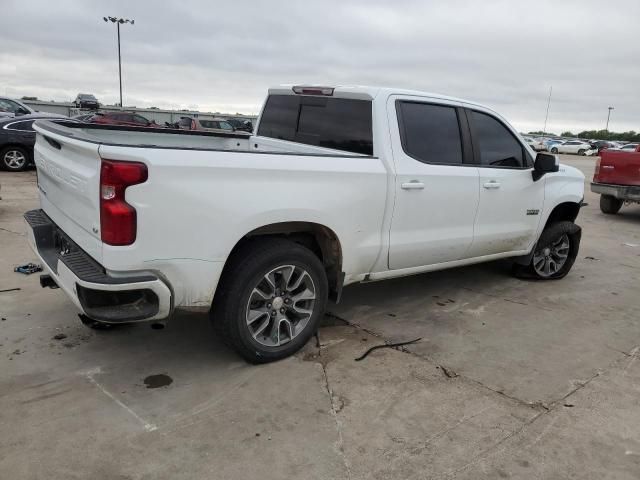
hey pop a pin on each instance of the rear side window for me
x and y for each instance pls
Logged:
(498, 147)
(24, 126)
(430, 133)
(338, 123)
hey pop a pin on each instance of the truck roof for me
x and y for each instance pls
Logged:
(368, 92)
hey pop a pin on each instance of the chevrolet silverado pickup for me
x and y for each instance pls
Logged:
(337, 185)
(617, 179)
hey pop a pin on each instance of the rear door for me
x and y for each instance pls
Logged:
(436, 184)
(69, 183)
(510, 201)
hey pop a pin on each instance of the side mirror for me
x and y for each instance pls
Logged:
(545, 163)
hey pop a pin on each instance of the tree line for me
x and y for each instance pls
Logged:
(630, 136)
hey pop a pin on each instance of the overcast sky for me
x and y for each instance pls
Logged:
(223, 55)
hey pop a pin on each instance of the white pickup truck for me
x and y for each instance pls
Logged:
(336, 186)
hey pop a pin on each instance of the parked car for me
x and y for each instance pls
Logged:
(550, 142)
(210, 125)
(262, 231)
(573, 146)
(600, 145)
(242, 125)
(629, 147)
(17, 138)
(86, 100)
(535, 143)
(12, 108)
(617, 179)
(121, 118)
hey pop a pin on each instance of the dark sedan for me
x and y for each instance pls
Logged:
(86, 100)
(17, 139)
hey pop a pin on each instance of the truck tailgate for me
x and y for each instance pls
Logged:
(619, 168)
(68, 184)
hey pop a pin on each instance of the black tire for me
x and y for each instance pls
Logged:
(6, 158)
(610, 205)
(581, 152)
(554, 150)
(548, 237)
(245, 270)
(95, 324)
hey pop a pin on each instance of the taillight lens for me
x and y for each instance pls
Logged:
(117, 217)
(597, 170)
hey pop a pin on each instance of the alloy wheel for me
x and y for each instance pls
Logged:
(14, 159)
(281, 305)
(549, 260)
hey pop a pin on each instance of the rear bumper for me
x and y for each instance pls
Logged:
(629, 193)
(105, 296)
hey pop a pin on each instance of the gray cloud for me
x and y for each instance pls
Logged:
(222, 56)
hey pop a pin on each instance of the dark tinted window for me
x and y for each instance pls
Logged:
(140, 119)
(185, 122)
(498, 147)
(339, 123)
(26, 125)
(430, 133)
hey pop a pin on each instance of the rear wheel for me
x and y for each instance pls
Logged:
(554, 150)
(270, 300)
(609, 204)
(14, 159)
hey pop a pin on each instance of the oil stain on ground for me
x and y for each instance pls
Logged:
(157, 381)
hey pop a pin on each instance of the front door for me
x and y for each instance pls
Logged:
(436, 184)
(510, 201)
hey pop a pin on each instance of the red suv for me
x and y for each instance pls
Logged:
(122, 118)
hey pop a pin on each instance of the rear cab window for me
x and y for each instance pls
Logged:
(330, 122)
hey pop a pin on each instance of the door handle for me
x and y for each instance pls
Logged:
(491, 185)
(412, 185)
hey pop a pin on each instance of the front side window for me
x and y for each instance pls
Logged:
(430, 133)
(330, 122)
(497, 146)
(140, 119)
(226, 126)
(8, 106)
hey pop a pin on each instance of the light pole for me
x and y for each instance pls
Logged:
(608, 116)
(118, 22)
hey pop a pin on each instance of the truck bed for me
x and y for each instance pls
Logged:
(144, 137)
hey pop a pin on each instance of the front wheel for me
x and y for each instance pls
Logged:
(554, 254)
(554, 150)
(581, 152)
(270, 299)
(610, 205)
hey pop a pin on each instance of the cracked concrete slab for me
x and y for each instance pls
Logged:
(593, 434)
(401, 417)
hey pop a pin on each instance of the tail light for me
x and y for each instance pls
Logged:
(597, 170)
(193, 125)
(117, 217)
(309, 90)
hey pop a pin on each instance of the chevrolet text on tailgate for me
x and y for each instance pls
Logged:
(338, 185)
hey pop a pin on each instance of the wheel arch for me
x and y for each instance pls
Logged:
(567, 210)
(318, 238)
